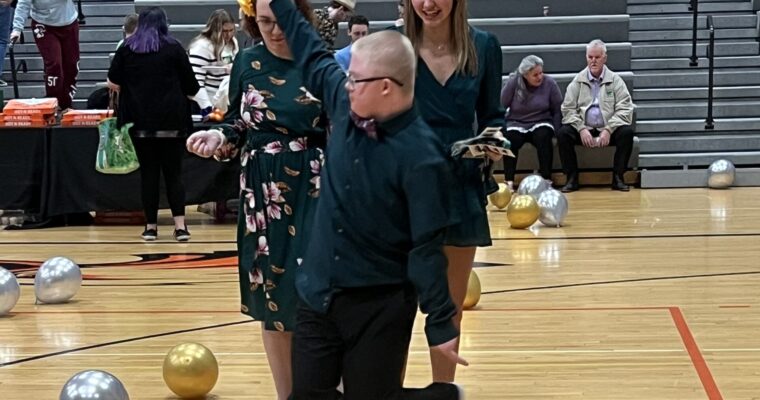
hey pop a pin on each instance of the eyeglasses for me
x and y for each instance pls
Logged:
(266, 25)
(352, 82)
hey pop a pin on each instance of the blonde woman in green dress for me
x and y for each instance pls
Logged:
(275, 125)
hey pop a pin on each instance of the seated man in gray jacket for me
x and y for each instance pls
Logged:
(597, 112)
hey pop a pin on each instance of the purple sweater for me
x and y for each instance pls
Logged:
(541, 105)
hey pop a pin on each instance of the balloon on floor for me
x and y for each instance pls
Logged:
(190, 370)
(57, 280)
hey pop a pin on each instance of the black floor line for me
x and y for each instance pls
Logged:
(98, 345)
(659, 278)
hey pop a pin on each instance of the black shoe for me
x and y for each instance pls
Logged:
(181, 235)
(619, 184)
(149, 234)
(571, 185)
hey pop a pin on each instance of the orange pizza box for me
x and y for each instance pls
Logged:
(37, 118)
(44, 106)
(23, 124)
(80, 115)
(86, 122)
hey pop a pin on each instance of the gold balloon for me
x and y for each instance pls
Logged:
(190, 370)
(473, 291)
(523, 211)
(501, 197)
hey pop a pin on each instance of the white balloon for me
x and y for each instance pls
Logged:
(553, 208)
(721, 174)
(9, 291)
(93, 384)
(533, 185)
(57, 280)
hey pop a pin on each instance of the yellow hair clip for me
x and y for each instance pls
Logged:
(247, 7)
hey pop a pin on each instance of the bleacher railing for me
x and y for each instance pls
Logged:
(694, 8)
(709, 122)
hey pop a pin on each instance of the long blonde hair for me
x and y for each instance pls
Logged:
(464, 47)
(213, 31)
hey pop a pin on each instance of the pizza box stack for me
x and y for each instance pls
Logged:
(29, 113)
(84, 117)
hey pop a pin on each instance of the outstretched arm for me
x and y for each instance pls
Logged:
(322, 75)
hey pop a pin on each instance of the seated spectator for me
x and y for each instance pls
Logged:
(358, 27)
(533, 102)
(328, 18)
(129, 28)
(597, 112)
(211, 55)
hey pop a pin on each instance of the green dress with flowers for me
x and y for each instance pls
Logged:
(275, 124)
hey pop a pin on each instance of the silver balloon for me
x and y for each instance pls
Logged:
(721, 174)
(57, 280)
(9, 291)
(93, 384)
(553, 208)
(533, 185)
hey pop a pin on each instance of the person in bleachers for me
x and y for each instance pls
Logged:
(358, 27)
(6, 19)
(155, 82)
(56, 32)
(129, 27)
(328, 18)
(211, 54)
(597, 112)
(400, 21)
(533, 102)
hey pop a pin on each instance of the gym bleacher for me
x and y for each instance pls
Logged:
(648, 41)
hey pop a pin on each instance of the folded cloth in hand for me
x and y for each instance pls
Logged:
(491, 139)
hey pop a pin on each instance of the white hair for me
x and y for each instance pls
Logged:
(528, 63)
(598, 44)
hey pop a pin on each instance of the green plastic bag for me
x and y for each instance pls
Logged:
(116, 153)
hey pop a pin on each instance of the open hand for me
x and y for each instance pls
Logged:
(449, 350)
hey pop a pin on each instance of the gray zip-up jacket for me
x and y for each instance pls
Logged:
(45, 12)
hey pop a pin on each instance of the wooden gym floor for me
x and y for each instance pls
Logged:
(642, 295)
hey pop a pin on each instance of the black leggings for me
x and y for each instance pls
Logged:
(541, 138)
(158, 155)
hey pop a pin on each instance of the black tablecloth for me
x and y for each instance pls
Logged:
(52, 172)
(23, 160)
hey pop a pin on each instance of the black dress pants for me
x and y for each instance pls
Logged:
(568, 138)
(541, 138)
(363, 339)
(156, 156)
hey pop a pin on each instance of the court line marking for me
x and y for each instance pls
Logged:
(121, 341)
(642, 236)
(655, 278)
(703, 371)
(465, 352)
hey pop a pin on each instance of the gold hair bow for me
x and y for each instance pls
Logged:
(247, 7)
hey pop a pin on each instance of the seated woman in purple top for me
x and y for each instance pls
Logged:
(533, 114)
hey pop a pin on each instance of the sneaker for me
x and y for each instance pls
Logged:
(3, 83)
(149, 234)
(181, 235)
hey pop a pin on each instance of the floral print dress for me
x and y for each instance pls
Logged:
(275, 124)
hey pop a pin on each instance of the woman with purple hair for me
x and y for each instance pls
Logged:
(155, 80)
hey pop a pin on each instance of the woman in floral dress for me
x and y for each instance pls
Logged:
(275, 125)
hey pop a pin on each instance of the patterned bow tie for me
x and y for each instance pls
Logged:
(367, 124)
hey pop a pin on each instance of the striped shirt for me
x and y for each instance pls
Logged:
(203, 59)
